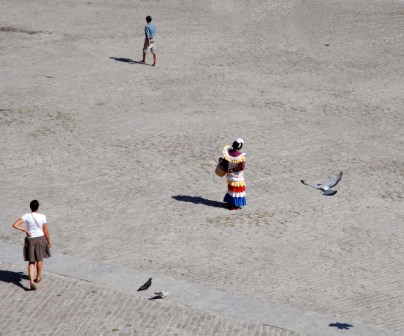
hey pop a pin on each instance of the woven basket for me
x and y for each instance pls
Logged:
(219, 170)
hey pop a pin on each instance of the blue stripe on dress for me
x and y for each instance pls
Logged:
(235, 201)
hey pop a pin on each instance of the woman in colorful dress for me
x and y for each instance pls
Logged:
(235, 162)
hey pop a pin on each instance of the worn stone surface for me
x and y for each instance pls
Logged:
(67, 306)
(313, 87)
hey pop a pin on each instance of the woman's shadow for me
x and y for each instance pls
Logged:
(199, 200)
(14, 277)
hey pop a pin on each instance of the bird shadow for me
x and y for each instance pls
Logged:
(157, 297)
(199, 200)
(14, 278)
(125, 60)
(342, 326)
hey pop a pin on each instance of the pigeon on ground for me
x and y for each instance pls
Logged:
(146, 285)
(161, 294)
(326, 187)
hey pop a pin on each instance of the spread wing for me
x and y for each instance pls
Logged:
(145, 285)
(315, 186)
(333, 182)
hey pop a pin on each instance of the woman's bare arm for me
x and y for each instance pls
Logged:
(47, 235)
(17, 225)
(238, 168)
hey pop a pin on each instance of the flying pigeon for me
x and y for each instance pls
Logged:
(161, 294)
(326, 187)
(146, 285)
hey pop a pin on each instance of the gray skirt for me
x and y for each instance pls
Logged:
(35, 249)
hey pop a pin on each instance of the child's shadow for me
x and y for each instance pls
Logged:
(14, 277)
(125, 60)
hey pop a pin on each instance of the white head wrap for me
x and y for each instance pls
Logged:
(240, 141)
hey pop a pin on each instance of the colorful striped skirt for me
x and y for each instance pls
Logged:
(235, 196)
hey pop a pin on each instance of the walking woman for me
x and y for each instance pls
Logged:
(235, 162)
(37, 242)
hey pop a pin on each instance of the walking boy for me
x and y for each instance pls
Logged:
(150, 33)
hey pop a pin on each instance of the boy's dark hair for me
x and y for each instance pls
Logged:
(34, 205)
(148, 19)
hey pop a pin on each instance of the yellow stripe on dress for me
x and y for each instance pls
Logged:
(236, 184)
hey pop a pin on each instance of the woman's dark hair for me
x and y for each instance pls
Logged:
(148, 19)
(237, 146)
(34, 205)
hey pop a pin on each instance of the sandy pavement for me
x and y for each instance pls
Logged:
(122, 155)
